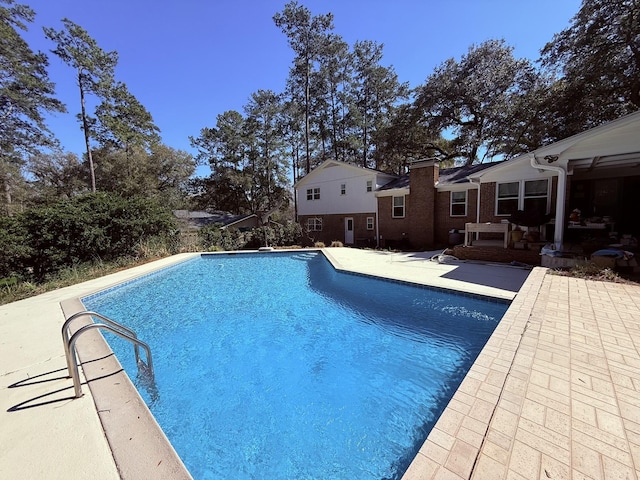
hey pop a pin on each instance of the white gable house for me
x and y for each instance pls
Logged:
(336, 202)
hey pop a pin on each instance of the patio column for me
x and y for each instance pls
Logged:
(558, 236)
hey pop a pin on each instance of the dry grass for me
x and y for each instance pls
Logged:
(14, 291)
(591, 271)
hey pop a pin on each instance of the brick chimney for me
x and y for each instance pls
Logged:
(423, 175)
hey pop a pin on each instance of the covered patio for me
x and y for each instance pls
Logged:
(592, 200)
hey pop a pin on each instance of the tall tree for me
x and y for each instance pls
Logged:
(224, 148)
(223, 145)
(308, 37)
(598, 60)
(171, 170)
(333, 78)
(266, 149)
(158, 172)
(123, 122)
(94, 71)
(247, 156)
(293, 137)
(26, 94)
(376, 90)
(525, 123)
(56, 175)
(405, 138)
(468, 99)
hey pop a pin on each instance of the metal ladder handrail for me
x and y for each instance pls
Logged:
(113, 327)
(108, 321)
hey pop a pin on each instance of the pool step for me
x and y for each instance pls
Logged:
(305, 256)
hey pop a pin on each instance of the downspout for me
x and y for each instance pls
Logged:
(377, 224)
(375, 195)
(558, 235)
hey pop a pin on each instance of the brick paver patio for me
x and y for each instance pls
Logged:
(555, 394)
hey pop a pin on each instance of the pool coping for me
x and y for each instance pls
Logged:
(138, 444)
(462, 427)
(471, 293)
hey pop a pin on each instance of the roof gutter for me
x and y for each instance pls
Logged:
(377, 225)
(560, 197)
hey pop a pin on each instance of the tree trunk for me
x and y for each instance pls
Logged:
(85, 128)
(296, 176)
(7, 196)
(334, 124)
(365, 132)
(307, 95)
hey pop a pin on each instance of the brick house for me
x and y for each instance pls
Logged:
(419, 209)
(336, 202)
(596, 172)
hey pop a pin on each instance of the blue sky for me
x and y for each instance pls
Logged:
(189, 60)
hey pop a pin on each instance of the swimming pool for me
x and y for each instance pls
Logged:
(277, 366)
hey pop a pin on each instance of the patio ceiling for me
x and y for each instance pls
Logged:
(613, 145)
(586, 165)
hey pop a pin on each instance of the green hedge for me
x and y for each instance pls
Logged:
(40, 241)
(213, 237)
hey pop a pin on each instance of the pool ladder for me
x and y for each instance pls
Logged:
(113, 327)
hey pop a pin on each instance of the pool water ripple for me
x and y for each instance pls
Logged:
(277, 366)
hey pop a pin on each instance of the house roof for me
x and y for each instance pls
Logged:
(199, 219)
(621, 136)
(456, 175)
(615, 144)
(400, 182)
(446, 176)
(239, 219)
(334, 163)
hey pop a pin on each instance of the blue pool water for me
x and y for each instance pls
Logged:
(277, 366)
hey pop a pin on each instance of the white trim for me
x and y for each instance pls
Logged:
(317, 221)
(465, 203)
(393, 192)
(521, 196)
(377, 226)
(314, 193)
(558, 235)
(349, 235)
(393, 206)
(334, 163)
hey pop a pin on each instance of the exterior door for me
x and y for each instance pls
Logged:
(348, 231)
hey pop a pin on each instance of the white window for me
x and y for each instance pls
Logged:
(535, 196)
(398, 207)
(343, 189)
(528, 195)
(314, 224)
(458, 204)
(369, 223)
(369, 185)
(313, 193)
(507, 202)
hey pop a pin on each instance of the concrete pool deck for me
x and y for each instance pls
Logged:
(554, 393)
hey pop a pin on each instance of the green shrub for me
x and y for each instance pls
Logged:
(41, 241)
(215, 238)
(14, 250)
